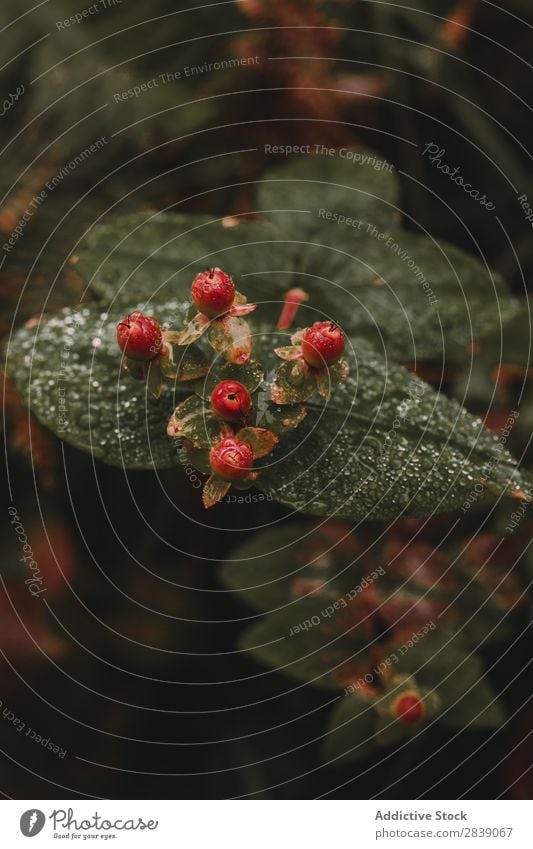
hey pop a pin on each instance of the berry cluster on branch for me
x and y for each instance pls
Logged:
(228, 424)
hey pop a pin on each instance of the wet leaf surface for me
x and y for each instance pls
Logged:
(68, 369)
(192, 419)
(231, 338)
(331, 228)
(385, 444)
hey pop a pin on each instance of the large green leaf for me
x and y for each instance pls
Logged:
(414, 296)
(336, 609)
(385, 444)
(362, 187)
(412, 582)
(302, 643)
(154, 257)
(265, 569)
(407, 294)
(68, 369)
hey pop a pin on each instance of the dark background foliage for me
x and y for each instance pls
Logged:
(135, 666)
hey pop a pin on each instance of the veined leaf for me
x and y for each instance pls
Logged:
(68, 369)
(384, 445)
(330, 228)
(154, 257)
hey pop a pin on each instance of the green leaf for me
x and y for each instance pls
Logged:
(275, 567)
(68, 369)
(466, 695)
(413, 296)
(386, 445)
(260, 439)
(318, 626)
(350, 733)
(350, 188)
(193, 330)
(477, 707)
(299, 575)
(194, 421)
(154, 257)
(509, 343)
(187, 364)
(281, 419)
(259, 573)
(231, 338)
(294, 382)
(300, 642)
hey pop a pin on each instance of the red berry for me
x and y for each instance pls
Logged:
(409, 708)
(231, 400)
(323, 344)
(213, 292)
(231, 459)
(139, 337)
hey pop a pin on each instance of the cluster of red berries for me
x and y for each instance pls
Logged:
(231, 459)
(143, 341)
(140, 337)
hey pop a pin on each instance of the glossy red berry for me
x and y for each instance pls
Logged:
(231, 401)
(323, 344)
(213, 292)
(409, 708)
(231, 459)
(139, 337)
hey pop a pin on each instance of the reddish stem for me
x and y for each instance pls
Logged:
(293, 299)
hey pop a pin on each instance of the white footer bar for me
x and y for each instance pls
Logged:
(266, 824)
